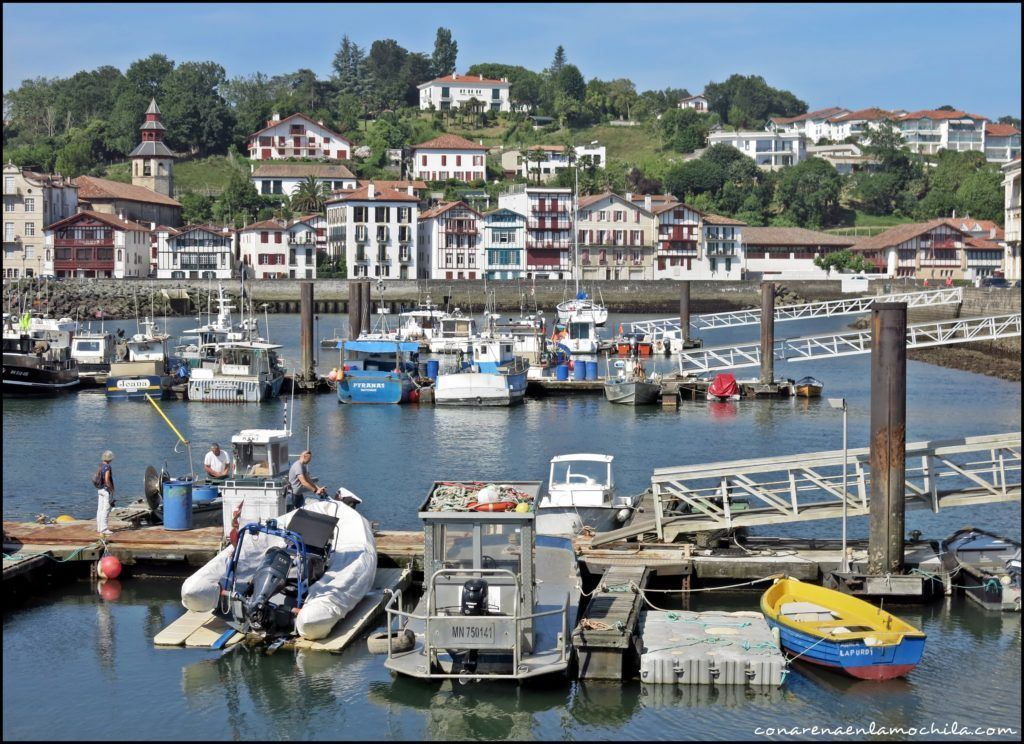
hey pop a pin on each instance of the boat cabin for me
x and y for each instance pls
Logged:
(489, 354)
(259, 488)
(260, 452)
(91, 348)
(377, 355)
(581, 480)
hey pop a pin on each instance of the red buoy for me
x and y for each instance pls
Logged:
(109, 568)
(414, 396)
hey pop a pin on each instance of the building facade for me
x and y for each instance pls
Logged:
(770, 150)
(859, 123)
(679, 237)
(272, 249)
(504, 244)
(450, 233)
(455, 91)
(129, 201)
(152, 161)
(697, 103)
(297, 136)
(615, 238)
(376, 229)
(549, 229)
(789, 252)
(195, 252)
(1002, 143)
(32, 201)
(284, 178)
(1011, 222)
(543, 162)
(935, 250)
(449, 157)
(927, 132)
(97, 245)
(814, 125)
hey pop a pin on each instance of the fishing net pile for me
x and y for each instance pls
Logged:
(462, 497)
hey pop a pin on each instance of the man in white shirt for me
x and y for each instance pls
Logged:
(217, 463)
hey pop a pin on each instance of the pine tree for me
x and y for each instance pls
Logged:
(445, 52)
(349, 67)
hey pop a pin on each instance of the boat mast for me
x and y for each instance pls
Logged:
(575, 230)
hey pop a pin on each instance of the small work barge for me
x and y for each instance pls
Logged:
(499, 601)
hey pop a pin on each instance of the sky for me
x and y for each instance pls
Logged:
(909, 56)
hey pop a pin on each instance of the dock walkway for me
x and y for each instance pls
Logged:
(606, 638)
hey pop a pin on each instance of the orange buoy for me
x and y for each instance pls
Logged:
(109, 567)
(496, 506)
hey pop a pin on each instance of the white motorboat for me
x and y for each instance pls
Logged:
(298, 574)
(455, 334)
(243, 372)
(492, 376)
(421, 323)
(582, 308)
(578, 336)
(581, 493)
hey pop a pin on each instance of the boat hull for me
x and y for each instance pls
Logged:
(29, 381)
(375, 388)
(631, 393)
(227, 390)
(854, 658)
(137, 387)
(479, 389)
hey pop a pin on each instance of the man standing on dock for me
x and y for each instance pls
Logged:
(301, 480)
(104, 482)
(217, 464)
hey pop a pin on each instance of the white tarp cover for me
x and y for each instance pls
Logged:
(348, 578)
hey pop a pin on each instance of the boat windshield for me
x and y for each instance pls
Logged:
(580, 473)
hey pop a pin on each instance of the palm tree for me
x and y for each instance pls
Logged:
(309, 195)
(535, 155)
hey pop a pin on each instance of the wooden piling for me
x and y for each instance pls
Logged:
(767, 333)
(888, 437)
(306, 332)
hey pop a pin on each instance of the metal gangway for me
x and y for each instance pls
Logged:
(799, 488)
(670, 328)
(828, 346)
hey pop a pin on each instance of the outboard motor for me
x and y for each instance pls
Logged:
(474, 597)
(474, 603)
(270, 578)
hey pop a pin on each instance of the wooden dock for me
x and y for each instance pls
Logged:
(552, 386)
(606, 638)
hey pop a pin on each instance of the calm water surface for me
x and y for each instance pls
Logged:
(77, 666)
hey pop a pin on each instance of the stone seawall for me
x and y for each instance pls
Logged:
(88, 298)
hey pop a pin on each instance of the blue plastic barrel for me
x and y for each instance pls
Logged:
(579, 370)
(433, 366)
(203, 494)
(178, 505)
(562, 372)
(591, 370)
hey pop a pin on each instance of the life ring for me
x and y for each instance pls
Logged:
(496, 506)
(403, 640)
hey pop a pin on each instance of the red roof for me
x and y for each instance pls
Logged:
(90, 188)
(819, 114)
(982, 243)
(868, 114)
(300, 116)
(936, 114)
(1001, 130)
(396, 185)
(363, 194)
(110, 219)
(449, 142)
(270, 224)
(475, 79)
(444, 207)
(968, 225)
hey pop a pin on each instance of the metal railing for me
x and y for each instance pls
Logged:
(855, 306)
(919, 336)
(794, 488)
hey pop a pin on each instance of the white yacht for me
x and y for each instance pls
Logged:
(581, 493)
(492, 376)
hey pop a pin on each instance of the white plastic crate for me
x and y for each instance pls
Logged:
(264, 499)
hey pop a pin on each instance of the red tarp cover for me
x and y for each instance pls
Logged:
(723, 386)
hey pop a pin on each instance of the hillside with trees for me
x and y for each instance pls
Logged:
(87, 123)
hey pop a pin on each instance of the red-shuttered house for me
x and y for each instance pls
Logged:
(298, 136)
(97, 245)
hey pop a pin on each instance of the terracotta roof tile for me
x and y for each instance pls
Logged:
(449, 142)
(444, 207)
(300, 116)
(363, 194)
(475, 79)
(819, 114)
(717, 219)
(1001, 130)
(110, 219)
(396, 185)
(897, 234)
(937, 114)
(868, 114)
(301, 170)
(793, 236)
(90, 188)
(270, 224)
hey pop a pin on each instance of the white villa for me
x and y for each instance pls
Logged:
(376, 228)
(284, 178)
(770, 150)
(454, 91)
(267, 251)
(195, 252)
(449, 156)
(297, 136)
(697, 103)
(528, 162)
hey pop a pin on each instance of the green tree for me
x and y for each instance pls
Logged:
(693, 177)
(524, 85)
(844, 260)
(252, 101)
(239, 204)
(446, 50)
(348, 68)
(309, 195)
(143, 81)
(197, 118)
(196, 209)
(808, 193)
(558, 62)
(981, 195)
(748, 101)
(348, 110)
(385, 66)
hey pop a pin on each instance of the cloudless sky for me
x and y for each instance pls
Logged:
(910, 56)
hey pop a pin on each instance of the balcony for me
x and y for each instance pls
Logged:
(555, 209)
(548, 245)
(549, 225)
(405, 256)
(361, 257)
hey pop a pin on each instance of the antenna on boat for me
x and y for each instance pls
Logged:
(307, 429)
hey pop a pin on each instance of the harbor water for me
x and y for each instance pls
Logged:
(80, 666)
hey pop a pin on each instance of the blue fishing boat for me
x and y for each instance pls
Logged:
(843, 633)
(377, 371)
